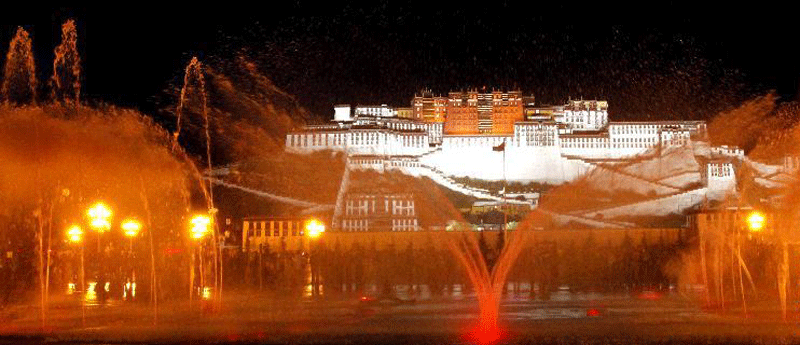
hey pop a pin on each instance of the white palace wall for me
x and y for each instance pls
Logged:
(474, 156)
(542, 151)
(720, 179)
(360, 141)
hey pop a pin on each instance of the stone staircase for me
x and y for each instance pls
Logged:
(674, 203)
(439, 177)
(343, 186)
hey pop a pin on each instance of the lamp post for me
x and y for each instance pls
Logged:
(314, 229)
(756, 222)
(131, 228)
(777, 231)
(75, 234)
(199, 230)
(100, 220)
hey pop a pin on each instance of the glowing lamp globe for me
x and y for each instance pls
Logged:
(755, 221)
(75, 234)
(200, 225)
(99, 217)
(314, 228)
(131, 227)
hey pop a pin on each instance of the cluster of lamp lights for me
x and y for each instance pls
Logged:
(100, 220)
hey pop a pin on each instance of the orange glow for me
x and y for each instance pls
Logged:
(131, 227)
(755, 221)
(100, 215)
(200, 225)
(101, 225)
(20, 66)
(75, 234)
(485, 335)
(650, 295)
(314, 228)
(67, 65)
(91, 292)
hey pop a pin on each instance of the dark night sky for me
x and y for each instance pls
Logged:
(677, 60)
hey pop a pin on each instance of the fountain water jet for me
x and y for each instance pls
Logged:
(19, 82)
(59, 165)
(488, 281)
(194, 72)
(65, 83)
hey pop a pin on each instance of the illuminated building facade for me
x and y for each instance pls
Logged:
(379, 212)
(472, 112)
(405, 113)
(462, 113)
(382, 110)
(506, 110)
(428, 107)
(457, 136)
(273, 232)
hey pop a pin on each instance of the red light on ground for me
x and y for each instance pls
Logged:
(171, 251)
(650, 295)
(592, 312)
(485, 335)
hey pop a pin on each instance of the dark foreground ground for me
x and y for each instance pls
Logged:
(575, 319)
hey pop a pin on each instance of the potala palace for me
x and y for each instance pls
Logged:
(499, 136)
(504, 136)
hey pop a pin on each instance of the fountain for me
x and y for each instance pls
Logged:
(46, 172)
(54, 148)
(65, 84)
(19, 83)
(194, 74)
(488, 279)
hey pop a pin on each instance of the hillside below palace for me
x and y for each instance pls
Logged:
(489, 136)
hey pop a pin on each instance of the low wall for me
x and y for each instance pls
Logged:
(441, 239)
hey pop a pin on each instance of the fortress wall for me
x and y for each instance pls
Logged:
(655, 207)
(400, 240)
(541, 164)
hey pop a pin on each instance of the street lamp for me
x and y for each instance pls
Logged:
(199, 230)
(314, 229)
(100, 220)
(755, 221)
(100, 217)
(75, 235)
(200, 225)
(131, 228)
